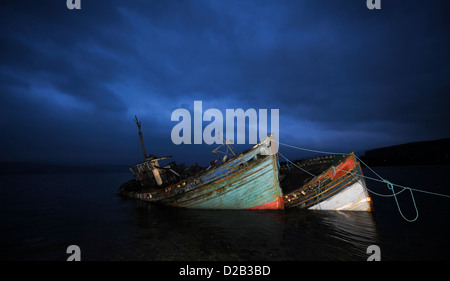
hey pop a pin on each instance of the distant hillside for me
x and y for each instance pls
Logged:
(414, 153)
(39, 168)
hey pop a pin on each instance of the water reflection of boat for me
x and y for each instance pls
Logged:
(245, 181)
(332, 182)
(329, 235)
(165, 233)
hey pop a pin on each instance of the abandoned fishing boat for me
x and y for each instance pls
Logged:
(245, 181)
(332, 182)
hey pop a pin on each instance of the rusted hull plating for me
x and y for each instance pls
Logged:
(340, 189)
(248, 181)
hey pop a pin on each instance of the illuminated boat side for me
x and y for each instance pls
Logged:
(246, 181)
(340, 187)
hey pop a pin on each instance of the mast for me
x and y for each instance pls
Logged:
(151, 160)
(138, 123)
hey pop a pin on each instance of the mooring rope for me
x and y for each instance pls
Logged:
(391, 186)
(297, 166)
(394, 194)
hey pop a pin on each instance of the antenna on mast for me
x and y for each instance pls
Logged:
(138, 123)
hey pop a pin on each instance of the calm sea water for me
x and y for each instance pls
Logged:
(42, 214)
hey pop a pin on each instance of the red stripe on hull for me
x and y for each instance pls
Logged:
(275, 205)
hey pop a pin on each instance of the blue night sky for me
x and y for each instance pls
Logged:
(344, 78)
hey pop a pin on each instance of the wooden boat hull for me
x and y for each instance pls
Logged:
(338, 188)
(256, 187)
(247, 181)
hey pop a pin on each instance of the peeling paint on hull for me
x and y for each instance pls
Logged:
(339, 188)
(254, 187)
(247, 181)
(352, 198)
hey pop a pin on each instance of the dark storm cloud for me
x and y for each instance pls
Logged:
(372, 72)
(58, 69)
(45, 44)
(343, 76)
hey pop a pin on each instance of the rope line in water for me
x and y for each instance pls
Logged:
(391, 186)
